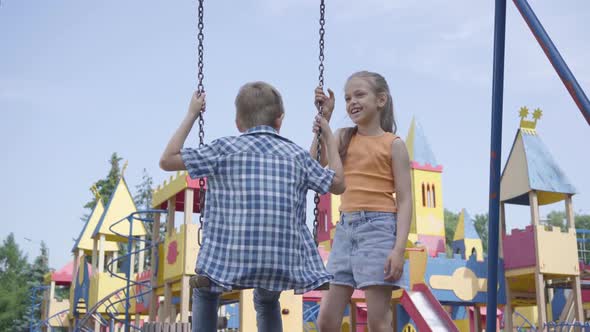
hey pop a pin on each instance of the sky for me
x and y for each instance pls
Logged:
(80, 80)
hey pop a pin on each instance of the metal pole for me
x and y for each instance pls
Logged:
(495, 159)
(568, 79)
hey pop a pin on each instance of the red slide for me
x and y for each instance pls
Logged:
(426, 311)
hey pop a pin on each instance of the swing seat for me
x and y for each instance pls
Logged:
(199, 281)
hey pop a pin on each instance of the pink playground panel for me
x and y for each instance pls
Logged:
(434, 243)
(519, 248)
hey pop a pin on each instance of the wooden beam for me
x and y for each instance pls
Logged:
(508, 309)
(101, 254)
(567, 307)
(170, 215)
(114, 257)
(534, 204)
(539, 278)
(569, 213)
(541, 302)
(189, 198)
(94, 256)
(184, 299)
(167, 312)
(577, 290)
(550, 296)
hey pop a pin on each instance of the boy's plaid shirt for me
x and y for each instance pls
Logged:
(254, 234)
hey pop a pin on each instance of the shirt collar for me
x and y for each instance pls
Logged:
(263, 129)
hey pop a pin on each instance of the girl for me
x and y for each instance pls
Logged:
(370, 239)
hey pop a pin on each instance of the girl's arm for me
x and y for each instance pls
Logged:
(403, 192)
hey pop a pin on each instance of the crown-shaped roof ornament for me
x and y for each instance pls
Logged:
(528, 124)
(95, 191)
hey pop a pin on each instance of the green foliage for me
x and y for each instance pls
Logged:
(143, 201)
(480, 222)
(557, 218)
(582, 221)
(14, 288)
(107, 185)
(17, 280)
(451, 220)
(38, 270)
(481, 226)
(143, 196)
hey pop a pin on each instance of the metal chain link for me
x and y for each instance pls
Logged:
(316, 198)
(201, 89)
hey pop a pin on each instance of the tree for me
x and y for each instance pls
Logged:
(14, 271)
(557, 218)
(143, 197)
(480, 222)
(38, 270)
(451, 220)
(107, 185)
(143, 201)
(582, 221)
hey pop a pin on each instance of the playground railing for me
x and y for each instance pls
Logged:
(121, 298)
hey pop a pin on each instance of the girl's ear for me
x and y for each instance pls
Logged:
(382, 99)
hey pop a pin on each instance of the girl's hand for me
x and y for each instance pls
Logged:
(326, 102)
(197, 104)
(321, 122)
(394, 266)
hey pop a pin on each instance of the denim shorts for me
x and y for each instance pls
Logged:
(362, 243)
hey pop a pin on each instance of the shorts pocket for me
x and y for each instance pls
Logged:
(383, 224)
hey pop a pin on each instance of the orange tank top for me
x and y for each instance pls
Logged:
(368, 174)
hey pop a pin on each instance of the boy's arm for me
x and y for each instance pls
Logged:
(330, 145)
(171, 159)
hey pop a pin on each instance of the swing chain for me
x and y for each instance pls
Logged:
(201, 89)
(322, 32)
(316, 198)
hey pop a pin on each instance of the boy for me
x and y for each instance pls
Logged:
(255, 235)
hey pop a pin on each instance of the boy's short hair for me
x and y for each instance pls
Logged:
(258, 103)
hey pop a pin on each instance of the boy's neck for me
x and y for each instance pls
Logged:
(269, 126)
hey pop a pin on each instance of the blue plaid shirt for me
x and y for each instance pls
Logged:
(254, 234)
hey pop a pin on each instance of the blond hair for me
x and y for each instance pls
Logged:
(258, 103)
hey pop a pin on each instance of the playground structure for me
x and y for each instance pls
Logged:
(114, 292)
